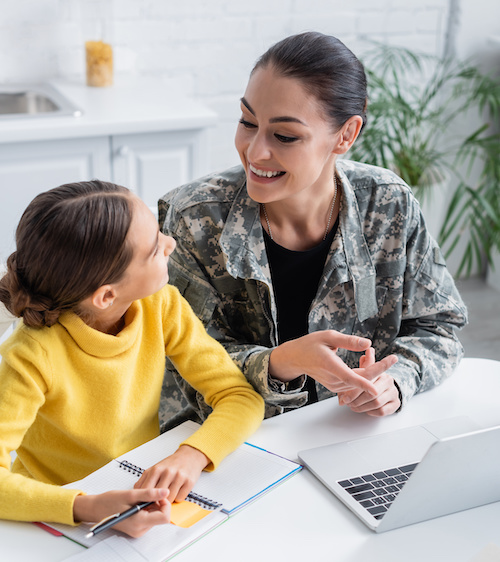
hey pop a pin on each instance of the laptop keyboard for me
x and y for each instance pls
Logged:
(376, 492)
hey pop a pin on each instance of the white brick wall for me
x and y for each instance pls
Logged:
(205, 47)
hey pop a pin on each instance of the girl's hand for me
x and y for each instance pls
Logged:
(95, 508)
(178, 472)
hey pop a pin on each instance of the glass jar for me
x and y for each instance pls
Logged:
(97, 23)
(99, 59)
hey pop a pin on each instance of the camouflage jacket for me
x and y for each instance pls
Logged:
(384, 279)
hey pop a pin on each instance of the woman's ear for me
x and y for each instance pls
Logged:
(348, 134)
(103, 297)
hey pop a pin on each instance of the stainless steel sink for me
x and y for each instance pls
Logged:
(33, 101)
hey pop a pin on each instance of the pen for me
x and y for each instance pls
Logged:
(116, 518)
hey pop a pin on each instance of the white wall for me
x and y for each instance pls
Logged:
(479, 37)
(205, 47)
(479, 25)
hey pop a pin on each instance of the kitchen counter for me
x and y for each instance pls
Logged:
(128, 107)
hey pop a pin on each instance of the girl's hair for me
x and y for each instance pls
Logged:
(70, 241)
(327, 69)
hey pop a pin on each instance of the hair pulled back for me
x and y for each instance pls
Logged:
(70, 241)
(326, 68)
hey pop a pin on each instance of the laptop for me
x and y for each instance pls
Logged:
(410, 475)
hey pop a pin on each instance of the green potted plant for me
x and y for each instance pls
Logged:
(417, 108)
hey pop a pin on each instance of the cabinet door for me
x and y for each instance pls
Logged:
(151, 164)
(28, 168)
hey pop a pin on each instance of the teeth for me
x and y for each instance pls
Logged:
(263, 173)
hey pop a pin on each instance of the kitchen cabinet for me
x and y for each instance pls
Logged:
(152, 164)
(27, 169)
(149, 145)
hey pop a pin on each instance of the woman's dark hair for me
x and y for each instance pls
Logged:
(327, 69)
(70, 241)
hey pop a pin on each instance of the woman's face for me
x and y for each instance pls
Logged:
(284, 140)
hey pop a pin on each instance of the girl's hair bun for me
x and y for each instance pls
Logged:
(35, 311)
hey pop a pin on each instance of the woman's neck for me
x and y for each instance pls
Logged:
(300, 225)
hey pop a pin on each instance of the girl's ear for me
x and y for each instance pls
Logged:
(104, 297)
(348, 134)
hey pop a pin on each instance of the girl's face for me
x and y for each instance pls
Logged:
(147, 273)
(284, 140)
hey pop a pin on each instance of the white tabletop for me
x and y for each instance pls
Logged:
(301, 520)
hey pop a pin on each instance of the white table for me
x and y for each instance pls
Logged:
(301, 520)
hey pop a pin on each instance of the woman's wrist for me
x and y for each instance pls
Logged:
(281, 364)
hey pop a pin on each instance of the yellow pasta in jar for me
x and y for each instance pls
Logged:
(99, 57)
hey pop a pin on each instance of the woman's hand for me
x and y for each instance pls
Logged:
(95, 508)
(384, 403)
(178, 472)
(316, 355)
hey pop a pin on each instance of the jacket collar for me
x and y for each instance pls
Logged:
(357, 254)
(242, 240)
(242, 243)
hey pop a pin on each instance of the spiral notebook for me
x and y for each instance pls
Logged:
(242, 477)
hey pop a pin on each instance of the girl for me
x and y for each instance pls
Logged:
(80, 378)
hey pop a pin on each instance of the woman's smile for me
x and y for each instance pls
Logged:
(265, 174)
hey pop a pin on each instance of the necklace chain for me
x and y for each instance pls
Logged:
(332, 206)
(329, 216)
(267, 221)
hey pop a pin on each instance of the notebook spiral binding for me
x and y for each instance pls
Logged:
(202, 501)
(129, 467)
(192, 497)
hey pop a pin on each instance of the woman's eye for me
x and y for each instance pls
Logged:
(285, 139)
(247, 124)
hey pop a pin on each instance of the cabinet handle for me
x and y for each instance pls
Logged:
(123, 151)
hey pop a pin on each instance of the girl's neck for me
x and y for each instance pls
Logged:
(107, 321)
(111, 328)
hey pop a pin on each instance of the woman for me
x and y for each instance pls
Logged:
(307, 267)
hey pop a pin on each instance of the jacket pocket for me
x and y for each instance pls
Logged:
(197, 292)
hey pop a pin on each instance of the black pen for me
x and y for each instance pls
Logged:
(116, 518)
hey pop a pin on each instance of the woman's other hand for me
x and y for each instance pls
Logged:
(94, 508)
(385, 402)
(178, 472)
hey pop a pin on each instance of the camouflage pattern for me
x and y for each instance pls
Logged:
(384, 279)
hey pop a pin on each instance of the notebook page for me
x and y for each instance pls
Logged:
(108, 477)
(115, 549)
(244, 474)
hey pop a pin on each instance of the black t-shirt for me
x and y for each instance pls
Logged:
(296, 276)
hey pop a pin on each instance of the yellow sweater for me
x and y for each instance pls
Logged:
(73, 398)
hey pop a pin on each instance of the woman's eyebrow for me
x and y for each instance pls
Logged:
(282, 119)
(247, 105)
(286, 119)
